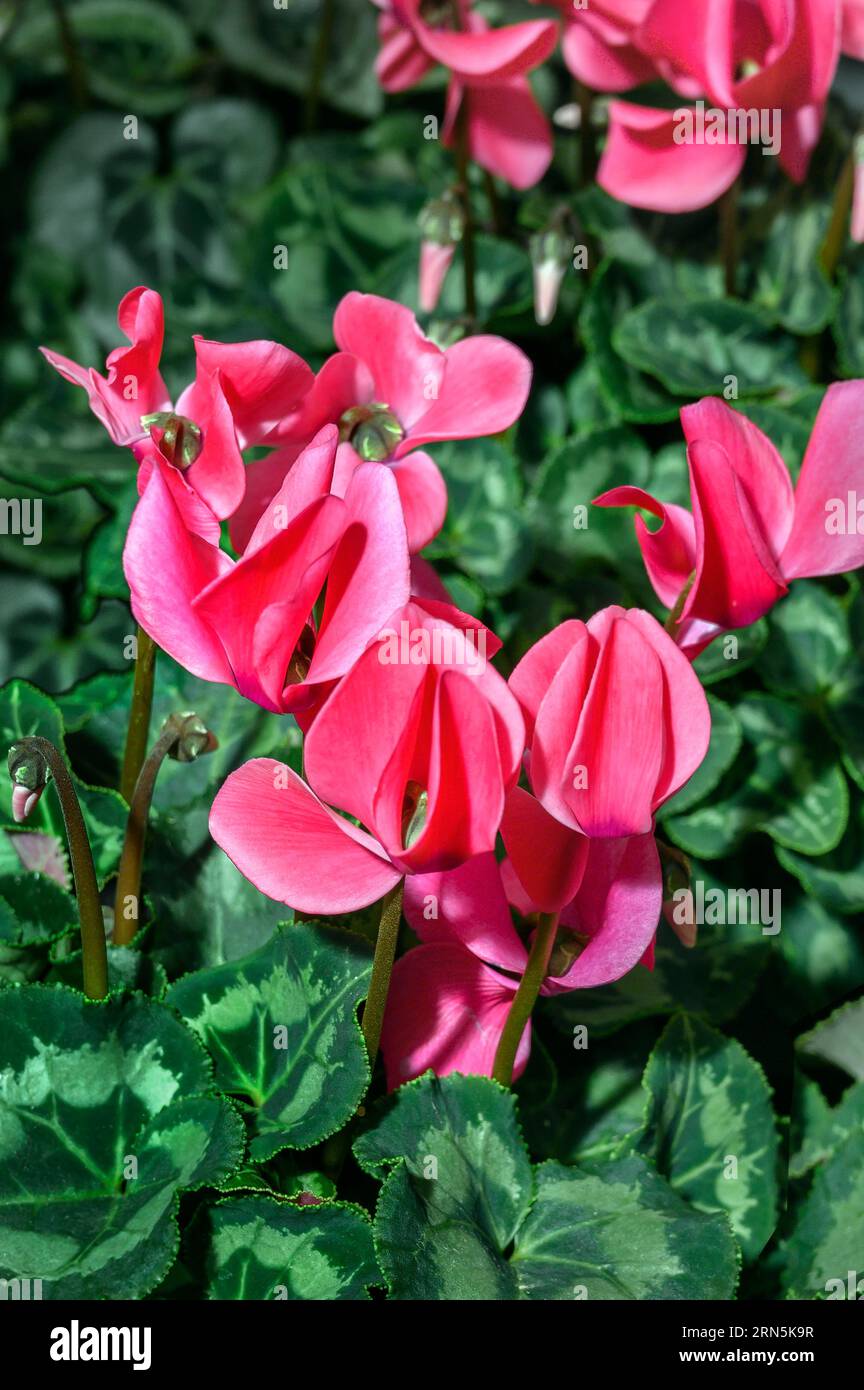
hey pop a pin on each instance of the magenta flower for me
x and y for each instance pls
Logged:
(251, 623)
(508, 134)
(419, 743)
(390, 390)
(450, 996)
(616, 718)
(240, 393)
(750, 533)
(598, 43)
(745, 56)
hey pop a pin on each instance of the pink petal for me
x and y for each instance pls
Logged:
(262, 381)
(737, 578)
(261, 604)
(469, 906)
(486, 54)
(829, 490)
(445, 1011)
(485, 385)
(292, 846)
(370, 573)
(601, 65)
(669, 551)
(166, 566)
(405, 367)
(196, 515)
(619, 739)
(401, 62)
(309, 478)
(217, 474)
(532, 676)
(551, 767)
(508, 132)
(548, 858)
(618, 907)
(644, 167)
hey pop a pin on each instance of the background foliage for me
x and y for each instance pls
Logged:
(748, 1044)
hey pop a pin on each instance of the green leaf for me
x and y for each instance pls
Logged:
(694, 347)
(731, 653)
(570, 535)
(34, 909)
(791, 283)
(457, 1184)
(457, 1194)
(825, 1243)
(281, 1026)
(837, 879)
(844, 703)
(722, 752)
(631, 395)
(87, 1088)
(264, 1248)
(590, 1106)
(618, 1232)
(838, 1039)
(801, 803)
(820, 1129)
(485, 532)
(823, 958)
(808, 642)
(133, 54)
(848, 325)
(711, 1128)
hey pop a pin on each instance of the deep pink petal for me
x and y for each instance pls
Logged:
(485, 385)
(405, 367)
(262, 381)
(644, 167)
(737, 579)
(829, 491)
(548, 858)
(292, 846)
(617, 907)
(217, 473)
(446, 1011)
(309, 478)
(669, 551)
(166, 567)
(508, 132)
(467, 905)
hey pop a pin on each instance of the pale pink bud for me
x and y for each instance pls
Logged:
(435, 261)
(23, 801)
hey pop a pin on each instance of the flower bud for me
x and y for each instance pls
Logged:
(180, 441)
(551, 251)
(29, 772)
(194, 738)
(441, 223)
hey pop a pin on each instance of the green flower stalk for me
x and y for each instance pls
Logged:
(31, 762)
(184, 738)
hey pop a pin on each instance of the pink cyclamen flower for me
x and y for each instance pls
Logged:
(252, 623)
(450, 997)
(598, 44)
(240, 393)
(616, 719)
(742, 56)
(389, 390)
(508, 134)
(750, 533)
(419, 743)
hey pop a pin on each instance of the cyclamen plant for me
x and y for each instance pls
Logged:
(443, 830)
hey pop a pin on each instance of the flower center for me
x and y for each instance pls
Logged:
(181, 440)
(569, 945)
(415, 809)
(438, 14)
(372, 430)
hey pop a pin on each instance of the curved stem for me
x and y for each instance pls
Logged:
(319, 64)
(835, 237)
(587, 148)
(129, 873)
(139, 714)
(525, 997)
(382, 967)
(468, 256)
(94, 952)
(729, 238)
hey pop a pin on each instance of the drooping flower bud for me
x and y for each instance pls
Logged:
(181, 440)
(551, 252)
(194, 738)
(29, 772)
(441, 224)
(856, 229)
